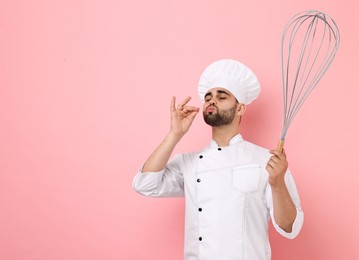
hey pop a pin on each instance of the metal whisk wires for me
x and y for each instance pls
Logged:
(310, 41)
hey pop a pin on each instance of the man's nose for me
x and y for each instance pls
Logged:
(212, 102)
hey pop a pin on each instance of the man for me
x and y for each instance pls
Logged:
(231, 187)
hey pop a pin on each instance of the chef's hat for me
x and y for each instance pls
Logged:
(233, 76)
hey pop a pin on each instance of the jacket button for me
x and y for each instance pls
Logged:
(200, 238)
(219, 149)
(198, 180)
(200, 209)
(201, 156)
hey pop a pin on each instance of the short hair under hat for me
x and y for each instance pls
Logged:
(233, 76)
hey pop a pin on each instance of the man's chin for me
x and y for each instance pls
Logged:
(210, 122)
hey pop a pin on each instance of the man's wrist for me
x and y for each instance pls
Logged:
(278, 185)
(174, 137)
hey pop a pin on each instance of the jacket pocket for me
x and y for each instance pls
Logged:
(246, 178)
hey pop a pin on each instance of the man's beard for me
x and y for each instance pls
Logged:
(221, 118)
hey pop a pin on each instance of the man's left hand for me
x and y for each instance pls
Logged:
(277, 167)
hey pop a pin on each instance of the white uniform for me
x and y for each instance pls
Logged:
(228, 200)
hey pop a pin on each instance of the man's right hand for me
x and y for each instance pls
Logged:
(181, 120)
(182, 117)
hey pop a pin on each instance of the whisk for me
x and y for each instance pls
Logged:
(310, 41)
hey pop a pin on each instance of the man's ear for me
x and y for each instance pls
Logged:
(241, 109)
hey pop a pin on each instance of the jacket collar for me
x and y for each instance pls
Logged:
(235, 139)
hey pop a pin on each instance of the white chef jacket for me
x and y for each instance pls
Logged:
(228, 200)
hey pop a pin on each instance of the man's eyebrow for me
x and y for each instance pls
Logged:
(222, 92)
(218, 92)
(208, 94)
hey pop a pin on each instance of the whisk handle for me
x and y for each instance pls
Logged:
(280, 145)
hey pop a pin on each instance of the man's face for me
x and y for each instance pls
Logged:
(220, 107)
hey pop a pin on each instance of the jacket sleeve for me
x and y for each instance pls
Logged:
(165, 183)
(299, 220)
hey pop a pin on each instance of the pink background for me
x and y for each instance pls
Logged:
(85, 88)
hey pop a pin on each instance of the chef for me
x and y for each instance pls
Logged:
(231, 187)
